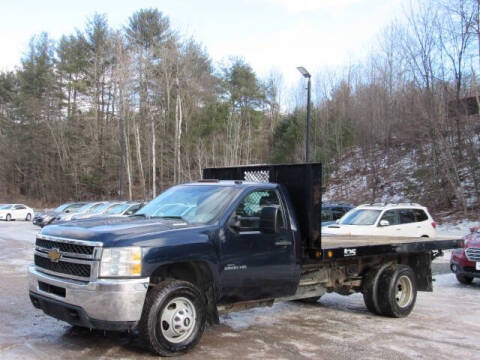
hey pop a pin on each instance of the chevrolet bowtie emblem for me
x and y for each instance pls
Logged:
(54, 255)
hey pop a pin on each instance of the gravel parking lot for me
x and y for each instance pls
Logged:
(445, 324)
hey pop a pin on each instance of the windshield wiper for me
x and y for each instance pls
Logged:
(174, 217)
(142, 215)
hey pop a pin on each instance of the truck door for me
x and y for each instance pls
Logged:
(256, 264)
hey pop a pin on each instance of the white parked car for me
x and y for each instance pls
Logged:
(405, 220)
(16, 212)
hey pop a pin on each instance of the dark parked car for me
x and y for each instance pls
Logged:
(465, 261)
(44, 218)
(331, 212)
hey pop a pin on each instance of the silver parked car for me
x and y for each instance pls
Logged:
(97, 211)
(84, 209)
(125, 209)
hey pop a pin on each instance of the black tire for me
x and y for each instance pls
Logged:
(370, 290)
(151, 328)
(463, 279)
(397, 291)
(8, 217)
(29, 217)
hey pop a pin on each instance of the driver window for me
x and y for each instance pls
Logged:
(391, 216)
(249, 210)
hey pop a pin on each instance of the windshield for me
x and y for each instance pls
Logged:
(360, 217)
(6, 207)
(117, 209)
(198, 204)
(77, 207)
(100, 209)
(62, 207)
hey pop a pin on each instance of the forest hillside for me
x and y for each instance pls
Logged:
(126, 112)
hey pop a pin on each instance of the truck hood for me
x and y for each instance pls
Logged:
(113, 231)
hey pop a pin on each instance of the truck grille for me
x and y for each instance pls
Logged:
(65, 247)
(473, 254)
(63, 267)
(68, 258)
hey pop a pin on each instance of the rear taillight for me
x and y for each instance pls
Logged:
(434, 224)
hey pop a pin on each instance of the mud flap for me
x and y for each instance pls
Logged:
(212, 312)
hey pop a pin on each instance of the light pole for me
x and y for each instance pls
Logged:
(307, 75)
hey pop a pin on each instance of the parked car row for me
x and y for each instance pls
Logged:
(85, 210)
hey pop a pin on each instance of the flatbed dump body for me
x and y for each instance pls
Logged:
(341, 246)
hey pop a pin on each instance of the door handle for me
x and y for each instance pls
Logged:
(283, 242)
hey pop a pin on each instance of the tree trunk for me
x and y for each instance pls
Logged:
(139, 160)
(154, 159)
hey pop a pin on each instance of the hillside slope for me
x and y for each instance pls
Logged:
(403, 175)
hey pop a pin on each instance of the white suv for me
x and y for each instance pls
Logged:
(406, 219)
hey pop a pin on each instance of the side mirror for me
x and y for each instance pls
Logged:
(473, 229)
(234, 223)
(384, 223)
(67, 211)
(337, 221)
(270, 220)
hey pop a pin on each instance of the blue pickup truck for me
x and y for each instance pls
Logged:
(240, 237)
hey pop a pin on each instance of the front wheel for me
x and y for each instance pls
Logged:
(8, 217)
(29, 217)
(173, 318)
(466, 280)
(397, 291)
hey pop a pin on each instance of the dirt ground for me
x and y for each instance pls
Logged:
(444, 325)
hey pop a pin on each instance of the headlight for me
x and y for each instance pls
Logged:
(126, 261)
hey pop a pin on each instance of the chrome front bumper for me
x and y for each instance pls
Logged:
(115, 300)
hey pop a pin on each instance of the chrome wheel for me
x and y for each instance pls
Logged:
(178, 319)
(404, 291)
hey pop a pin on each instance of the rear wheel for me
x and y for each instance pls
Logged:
(397, 291)
(464, 279)
(29, 217)
(173, 318)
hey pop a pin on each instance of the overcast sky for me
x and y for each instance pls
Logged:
(280, 34)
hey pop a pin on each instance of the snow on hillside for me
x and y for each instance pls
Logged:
(402, 175)
(384, 180)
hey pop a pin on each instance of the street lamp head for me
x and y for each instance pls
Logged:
(303, 71)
